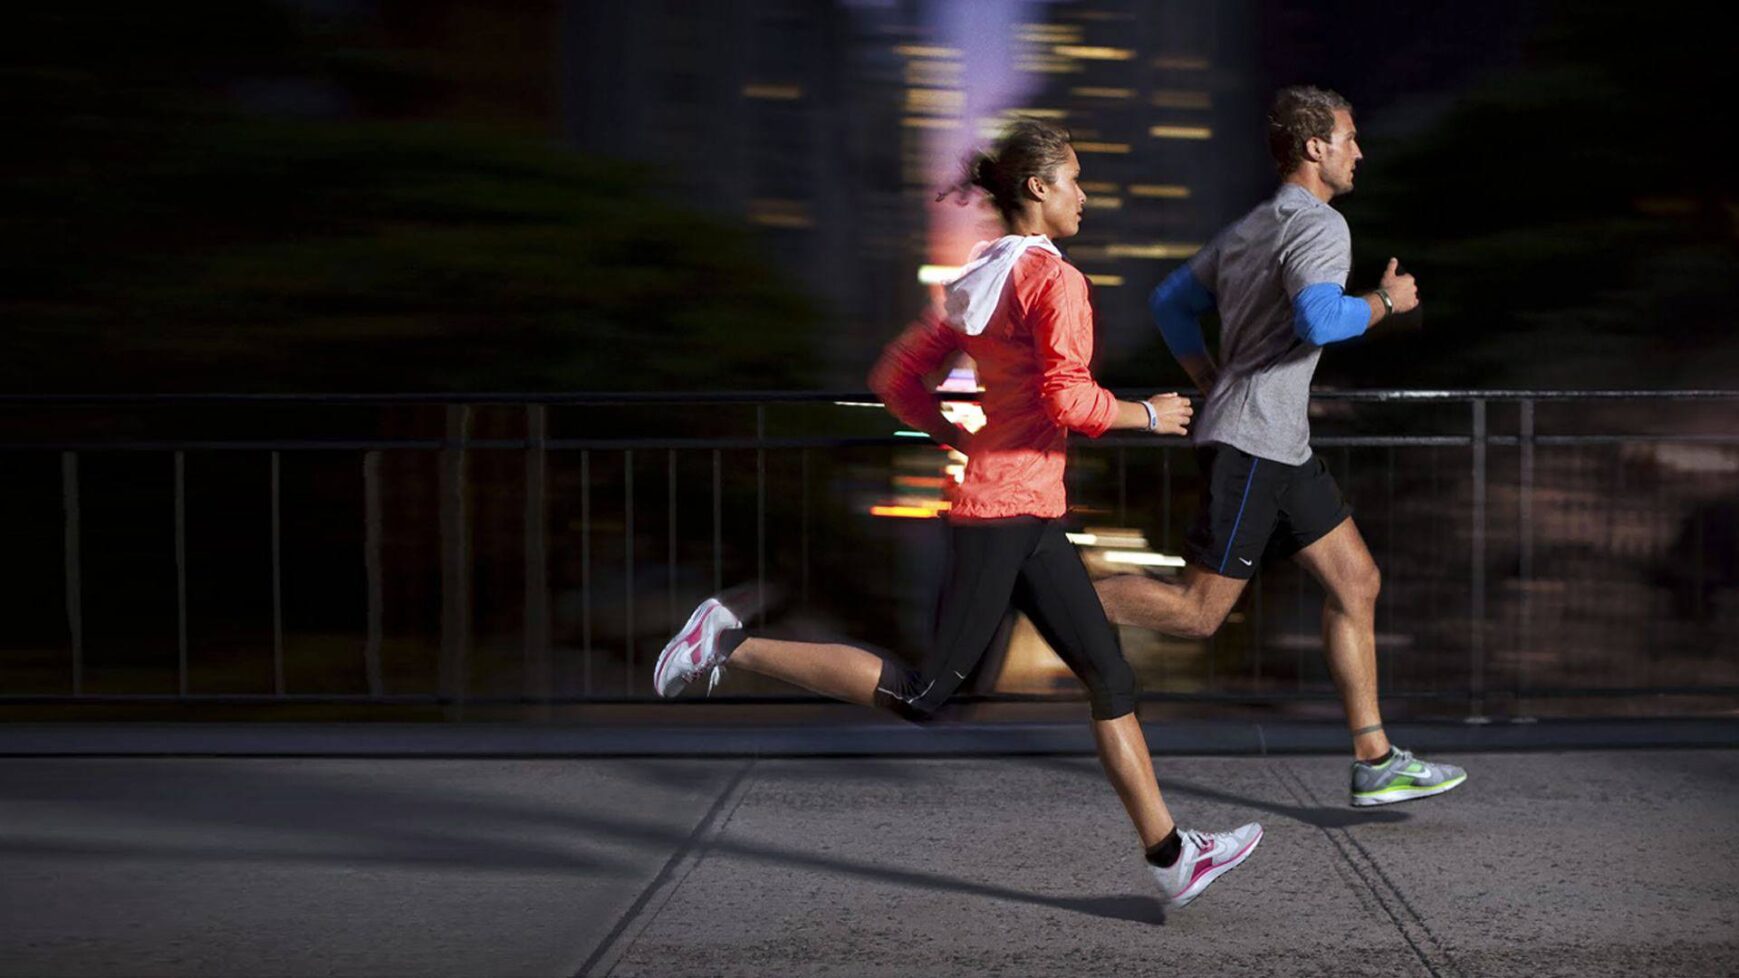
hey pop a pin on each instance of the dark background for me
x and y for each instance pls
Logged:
(669, 197)
(300, 196)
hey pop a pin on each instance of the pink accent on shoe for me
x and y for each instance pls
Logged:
(693, 635)
(690, 639)
(1205, 863)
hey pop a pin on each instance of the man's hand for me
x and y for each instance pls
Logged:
(1403, 290)
(1174, 413)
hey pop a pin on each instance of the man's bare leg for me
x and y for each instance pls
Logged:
(1342, 563)
(1193, 609)
(844, 672)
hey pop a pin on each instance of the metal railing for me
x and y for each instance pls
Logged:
(430, 504)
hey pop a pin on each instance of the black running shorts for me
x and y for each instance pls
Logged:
(1258, 508)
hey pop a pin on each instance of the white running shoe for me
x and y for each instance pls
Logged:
(694, 650)
(1205, 857)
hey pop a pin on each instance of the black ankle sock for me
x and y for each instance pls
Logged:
(1164, 853)
(729, 639)
(1379, 762)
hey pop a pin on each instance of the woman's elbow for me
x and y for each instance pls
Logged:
(1057, 409)
(1070, 412)
(883, 379)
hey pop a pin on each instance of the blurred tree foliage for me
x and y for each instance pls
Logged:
(1572, 218)
(230, 195)
(1573, 221)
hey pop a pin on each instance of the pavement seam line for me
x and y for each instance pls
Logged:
(1382, 889)
(657, 893)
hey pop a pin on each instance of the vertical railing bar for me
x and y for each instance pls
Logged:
(455, 577)
(537, 681)
(1298, 615)
(1438, 532)
(1386, 596)
(1165, 497)
(1699, 604)
(760, 508)
(75, 616)
(1122, 487)
(1476, 636)
(1213, 654)
(1614, 546)
(277, 580)
(586, 571)
(628, 561)
(803, 528)
(670, 563)
(718, 523)
(371, 567)
(1657, 613)
(1256, 635)
(1525, 502)
(181, 570)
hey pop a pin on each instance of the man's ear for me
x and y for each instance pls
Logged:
(1314, 149)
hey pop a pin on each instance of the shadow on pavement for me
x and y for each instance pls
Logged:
(246, 813)
(1320, 817)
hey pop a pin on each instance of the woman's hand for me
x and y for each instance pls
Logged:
(1173, 412)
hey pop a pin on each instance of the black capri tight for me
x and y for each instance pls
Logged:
(1028, 564)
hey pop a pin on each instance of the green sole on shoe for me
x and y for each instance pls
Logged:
(1390, 796)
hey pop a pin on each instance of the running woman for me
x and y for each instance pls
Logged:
(1021, 311)
(1278, 278)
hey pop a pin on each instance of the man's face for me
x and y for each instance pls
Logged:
(1340, 154)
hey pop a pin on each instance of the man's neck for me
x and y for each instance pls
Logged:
(1311, 182)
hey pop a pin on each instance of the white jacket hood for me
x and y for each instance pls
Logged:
(973, 295)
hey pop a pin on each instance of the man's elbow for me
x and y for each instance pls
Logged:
(1308, 330)
(1180, 295)
(1313, 320)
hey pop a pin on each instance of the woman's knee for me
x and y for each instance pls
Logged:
(1114, 691)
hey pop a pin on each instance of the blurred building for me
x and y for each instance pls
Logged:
(786, 112)
(1165, 103)
(816, 121)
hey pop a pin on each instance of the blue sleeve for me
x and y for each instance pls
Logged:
(1324, 313)
(1177, 304)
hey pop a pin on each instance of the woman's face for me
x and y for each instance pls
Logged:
(1063, 200)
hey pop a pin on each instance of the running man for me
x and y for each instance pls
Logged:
(1278, 278)
(1021, 311)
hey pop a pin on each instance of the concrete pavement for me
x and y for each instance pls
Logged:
(1550, 863)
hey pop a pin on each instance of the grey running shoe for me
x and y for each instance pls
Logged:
(1402, 778)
